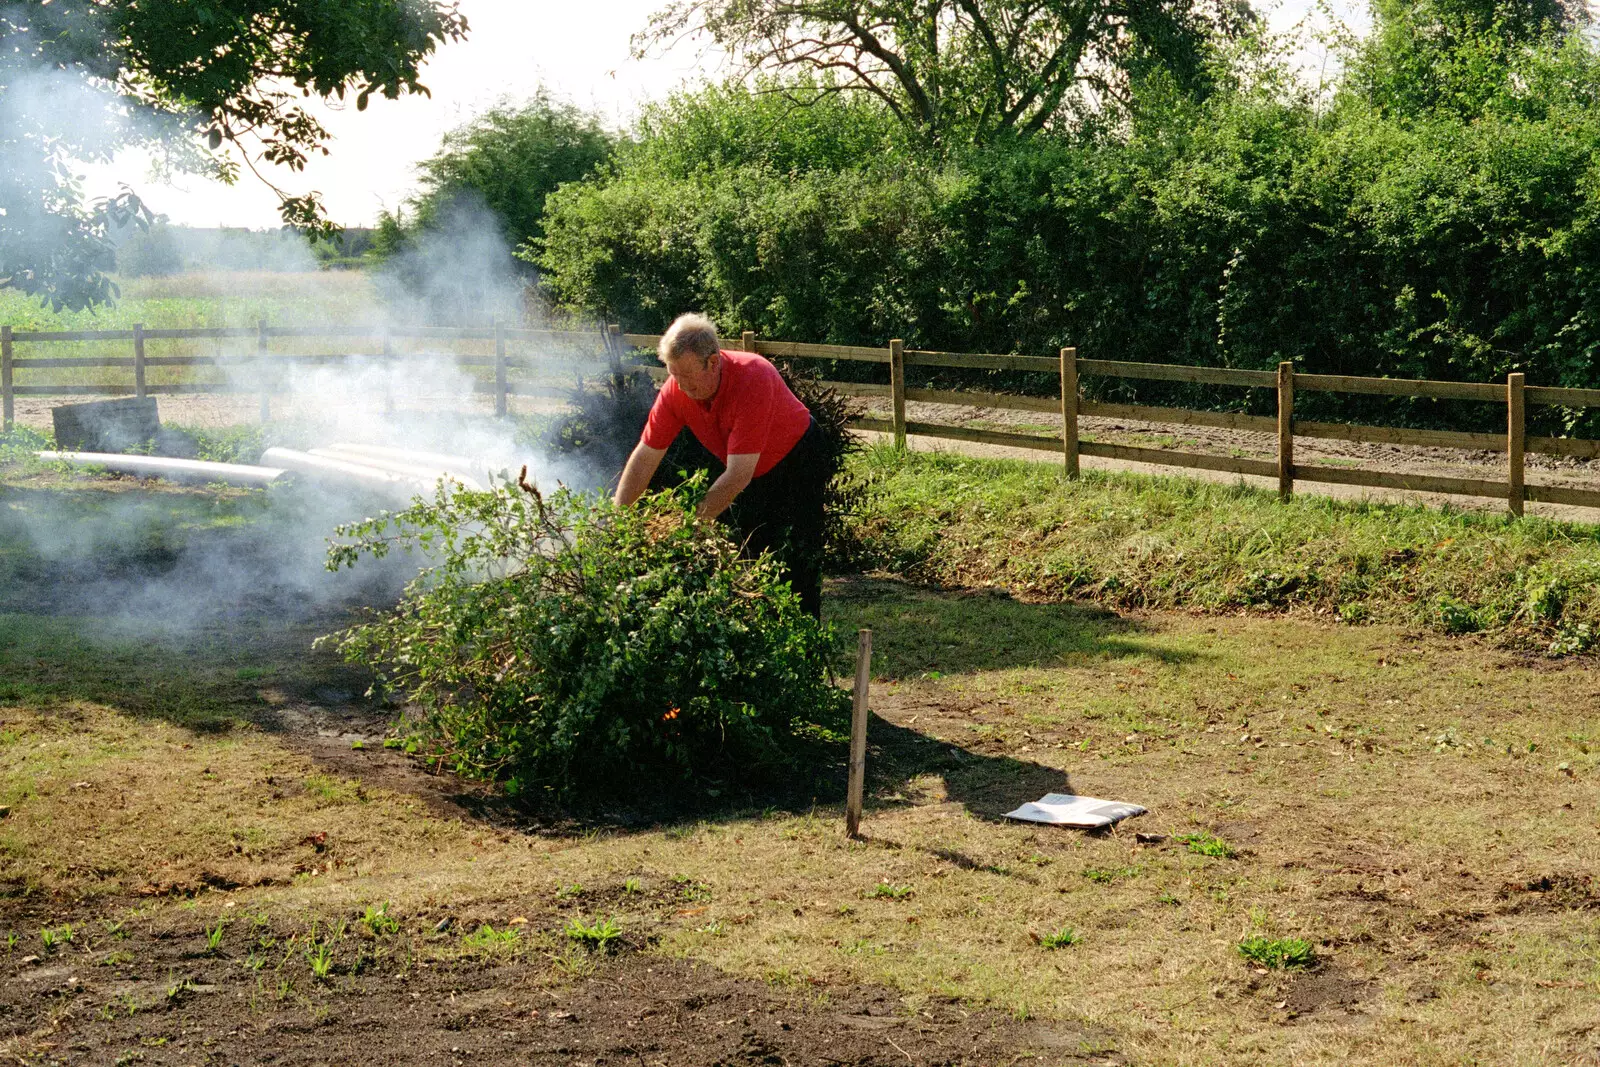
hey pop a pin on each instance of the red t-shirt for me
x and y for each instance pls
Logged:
(753, 412)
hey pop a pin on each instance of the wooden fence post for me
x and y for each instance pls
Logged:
(747, 341)
(858, 736)
(8, 416)
(499, 368)
(897, 389)
(1516, 440)
(1285, 431)
(138, 360)
(261, 370)
(388, 367)
(1069, 410)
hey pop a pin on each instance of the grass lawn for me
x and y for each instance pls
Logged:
(1366, 845)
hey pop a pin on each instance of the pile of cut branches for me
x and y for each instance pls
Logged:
(560, 643)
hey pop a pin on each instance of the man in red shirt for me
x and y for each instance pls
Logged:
(738, 406)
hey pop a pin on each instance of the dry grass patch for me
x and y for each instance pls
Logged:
(1420, 812)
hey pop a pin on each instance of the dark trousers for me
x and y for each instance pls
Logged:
(781, 512)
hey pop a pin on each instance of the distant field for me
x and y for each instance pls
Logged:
(218, 299)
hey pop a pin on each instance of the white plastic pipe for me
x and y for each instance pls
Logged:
(426, 472)
(343, 472)
(177, 470)
(479, 467)
(414, 456)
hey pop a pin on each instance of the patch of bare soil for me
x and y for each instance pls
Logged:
(1552, 892)
(155, 996)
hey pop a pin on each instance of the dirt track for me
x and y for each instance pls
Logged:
(1548, 470)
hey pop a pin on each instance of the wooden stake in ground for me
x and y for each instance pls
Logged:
(897, 390)
(858, 736)
(138, 360)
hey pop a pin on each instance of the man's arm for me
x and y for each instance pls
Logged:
(636, 474)
(741, 469)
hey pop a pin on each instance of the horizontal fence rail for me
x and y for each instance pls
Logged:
(1067, 407)
(1515, 443)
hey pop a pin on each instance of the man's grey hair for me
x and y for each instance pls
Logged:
(690, 334)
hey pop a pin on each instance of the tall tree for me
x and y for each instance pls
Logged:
(510, 158)
(1451, 55)
(82, 79)
(964, 69)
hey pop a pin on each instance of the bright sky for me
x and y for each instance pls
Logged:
(580, 50)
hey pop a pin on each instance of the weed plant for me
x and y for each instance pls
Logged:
(487, 939)
(1290, 953)
(600, 935)
(558, 640)
(1062, 938)
(1203, 844)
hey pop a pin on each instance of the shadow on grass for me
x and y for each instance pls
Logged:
(918, 632)
(922, 632)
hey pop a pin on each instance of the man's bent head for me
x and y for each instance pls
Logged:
(690, 349)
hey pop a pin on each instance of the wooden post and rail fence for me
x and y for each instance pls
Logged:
(262, 364)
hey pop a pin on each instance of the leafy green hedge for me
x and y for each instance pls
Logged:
(1253, 227)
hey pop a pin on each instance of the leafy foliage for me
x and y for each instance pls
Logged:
(599, 935)
(963, 70)
(82, 79)
(1206, 232)
(562, 643)
(508, 159)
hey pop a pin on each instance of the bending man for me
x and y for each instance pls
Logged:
(738, 406)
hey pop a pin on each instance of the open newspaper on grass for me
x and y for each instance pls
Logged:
(561, 643)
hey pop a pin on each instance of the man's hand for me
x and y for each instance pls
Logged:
(636, 474)
(741, 469)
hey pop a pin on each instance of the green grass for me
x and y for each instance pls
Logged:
(487, 939)
(1062, 938)
(1132, 540)
(1207, 845)
(207, 300)
(1284, 953)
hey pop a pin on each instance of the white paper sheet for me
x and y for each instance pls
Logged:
(1064, 809)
